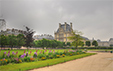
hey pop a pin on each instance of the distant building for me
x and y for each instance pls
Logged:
(46, 36)
(12, 31)
(5, 31)
(105, 43)
(63, 32)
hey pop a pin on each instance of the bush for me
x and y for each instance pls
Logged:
(3, 61)
(56, 55)
(32, 59)
(43, 58)
(41, 55)
(27, 59)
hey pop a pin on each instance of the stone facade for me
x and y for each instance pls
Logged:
(12, 31)
(105, 43)
(46, 36)
(63, 32)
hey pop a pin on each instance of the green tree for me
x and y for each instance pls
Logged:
(64, 44)
(37, 43)
(75, 38)
(12, 40)
(53, 44)
(29, 37)
(59, 44)
(20, 40)
(68, 43)
(81, 43)
(3, 40)
(88, 43)
(111, 45)
(44, 43)
(95, 43)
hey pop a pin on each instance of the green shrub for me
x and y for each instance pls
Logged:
(35, 56)
(41, 55)
(26, 59)
(61, 53)
(50, 53)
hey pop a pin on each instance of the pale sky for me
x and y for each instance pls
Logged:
(94, 18)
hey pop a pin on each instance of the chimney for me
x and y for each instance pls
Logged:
(71, 25)
(65, 25)
(59, 25)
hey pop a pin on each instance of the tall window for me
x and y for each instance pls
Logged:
(61, 35)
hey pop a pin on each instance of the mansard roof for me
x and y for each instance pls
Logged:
(85, 38)
(111, 39)
(46, 36)
(68, 28)
(2, 19)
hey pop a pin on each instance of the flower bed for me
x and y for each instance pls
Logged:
(27, 57)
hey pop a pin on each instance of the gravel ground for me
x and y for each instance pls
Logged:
(98, 62)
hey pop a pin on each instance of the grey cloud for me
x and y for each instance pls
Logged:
(93, 18)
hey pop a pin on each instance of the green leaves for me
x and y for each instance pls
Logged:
(95, 43)
(48, 43)
(12, 40)
(88, 43)
(75, 38)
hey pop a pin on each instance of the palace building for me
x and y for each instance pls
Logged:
(63, 32)
(45, 36)
(105, 43)
(12, 31)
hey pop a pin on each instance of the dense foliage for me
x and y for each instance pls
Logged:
(12, 40)
(76, 38)
(88, 43)
(95, 43)
(48, 43)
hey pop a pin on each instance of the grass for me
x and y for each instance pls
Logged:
(100, 49)
(20, 52)
(38, 64)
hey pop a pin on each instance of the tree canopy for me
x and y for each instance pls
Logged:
(75, 38)
(88, 43)
(95, 43)
(12, 40)
(48, 43)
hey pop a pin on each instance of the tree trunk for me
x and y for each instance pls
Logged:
(27, 48)
(11, 47)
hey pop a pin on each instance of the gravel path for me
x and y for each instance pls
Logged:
(98, 62)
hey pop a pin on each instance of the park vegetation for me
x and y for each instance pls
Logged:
(12, 41)
(76, 39)
(16, 57)
(50, 43)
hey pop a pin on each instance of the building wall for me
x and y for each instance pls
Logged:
(63, 34)
(106, 43)
(12, 31)
(46, 36)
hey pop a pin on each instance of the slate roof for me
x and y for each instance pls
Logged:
(85, 38)
(68, 27)
(2, 19)
(111, 39)
(44, 36)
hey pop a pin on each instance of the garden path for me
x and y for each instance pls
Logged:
(98, 62)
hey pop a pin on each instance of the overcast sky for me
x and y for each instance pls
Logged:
(92, 17)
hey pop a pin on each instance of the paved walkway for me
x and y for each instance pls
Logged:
(98, 62)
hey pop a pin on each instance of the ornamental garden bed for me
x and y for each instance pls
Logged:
(37, 64)
(8, 58)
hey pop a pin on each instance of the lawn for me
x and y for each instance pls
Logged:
(100, 49)
(20, 52)
(31, 65)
